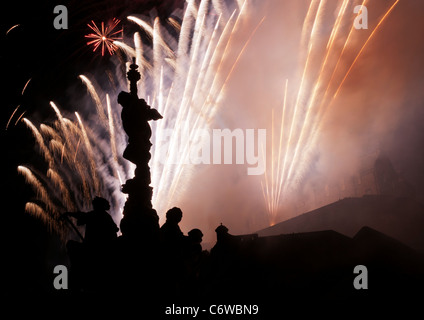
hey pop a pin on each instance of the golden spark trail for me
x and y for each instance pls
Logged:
(206, 101)
(280, 147)
(158, 35)
(224, 54)
(204, 66)
(76, 151)
(220, 94)
(10, 119)
(15, 26)
(144, 25)
(180, 113)
(200, 79)
(335, 29)
(190, 80)
(307, 21)
(194, 52)
(129, 51)
(174, 24)
(25, 86)
(321, 110)
(61, 122)
(338, 62)
(179, 169)
(216, 58)
(38, 212)
(22, 114)
(300, 90)
(305, 124)
(62, 154)
(364, 46)
(240, 3)
(58, 182)
(205, 62)
(49, 131)
(90, 154)
(55, 146)
(40, 141)
(318, 124)
(96, 98)
(183, 41)
(38, 187)
(182, 55)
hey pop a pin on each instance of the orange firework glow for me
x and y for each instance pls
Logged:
(105, 36)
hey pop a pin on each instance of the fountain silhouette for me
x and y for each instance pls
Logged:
(140, 219)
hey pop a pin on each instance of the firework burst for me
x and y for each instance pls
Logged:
(104, 36)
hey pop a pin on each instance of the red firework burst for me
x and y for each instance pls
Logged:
(104, 36)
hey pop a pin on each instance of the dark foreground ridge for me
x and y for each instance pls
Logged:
(311, 266)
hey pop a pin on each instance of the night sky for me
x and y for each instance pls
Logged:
(53, 59)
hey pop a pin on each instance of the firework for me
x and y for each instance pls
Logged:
(10, 29)
(39, 188)
(40, 140)
(307, 112)
(186, 80)
(95, 97)
(10, 119)
(25, 86)
(105, 36)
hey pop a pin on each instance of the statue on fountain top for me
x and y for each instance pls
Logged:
(140, 219)
(135, 116)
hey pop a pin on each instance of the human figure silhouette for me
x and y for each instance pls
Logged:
(93, 260)
(170, 231)
(99, 225)
(172, 247)
(193, 245)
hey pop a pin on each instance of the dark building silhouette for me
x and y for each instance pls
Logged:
(375, 175)
(399, 217)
